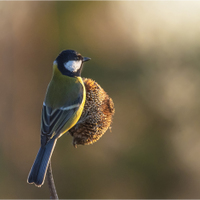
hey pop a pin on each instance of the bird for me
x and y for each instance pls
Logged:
(62, 108)
(96, 117)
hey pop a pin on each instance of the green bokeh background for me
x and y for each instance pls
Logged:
(146, 56)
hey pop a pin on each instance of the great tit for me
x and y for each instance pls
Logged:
(62, 108)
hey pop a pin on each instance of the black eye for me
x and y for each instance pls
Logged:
(79, 57)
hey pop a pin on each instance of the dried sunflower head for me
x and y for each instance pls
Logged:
(96, 117)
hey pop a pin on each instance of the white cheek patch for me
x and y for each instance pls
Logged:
(73, 66)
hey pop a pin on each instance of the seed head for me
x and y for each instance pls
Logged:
(96, 117)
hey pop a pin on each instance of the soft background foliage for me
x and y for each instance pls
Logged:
(146, 55)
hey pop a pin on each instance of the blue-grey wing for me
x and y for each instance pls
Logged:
(53, 120)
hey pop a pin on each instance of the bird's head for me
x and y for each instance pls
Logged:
(70, 63)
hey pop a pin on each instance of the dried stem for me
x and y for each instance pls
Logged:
(51, 183)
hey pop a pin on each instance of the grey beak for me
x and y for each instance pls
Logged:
(86, 59)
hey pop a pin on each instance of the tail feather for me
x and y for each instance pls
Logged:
(39, 168)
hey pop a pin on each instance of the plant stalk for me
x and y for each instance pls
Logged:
(51, 184)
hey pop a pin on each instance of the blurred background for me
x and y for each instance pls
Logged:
(146, 56)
